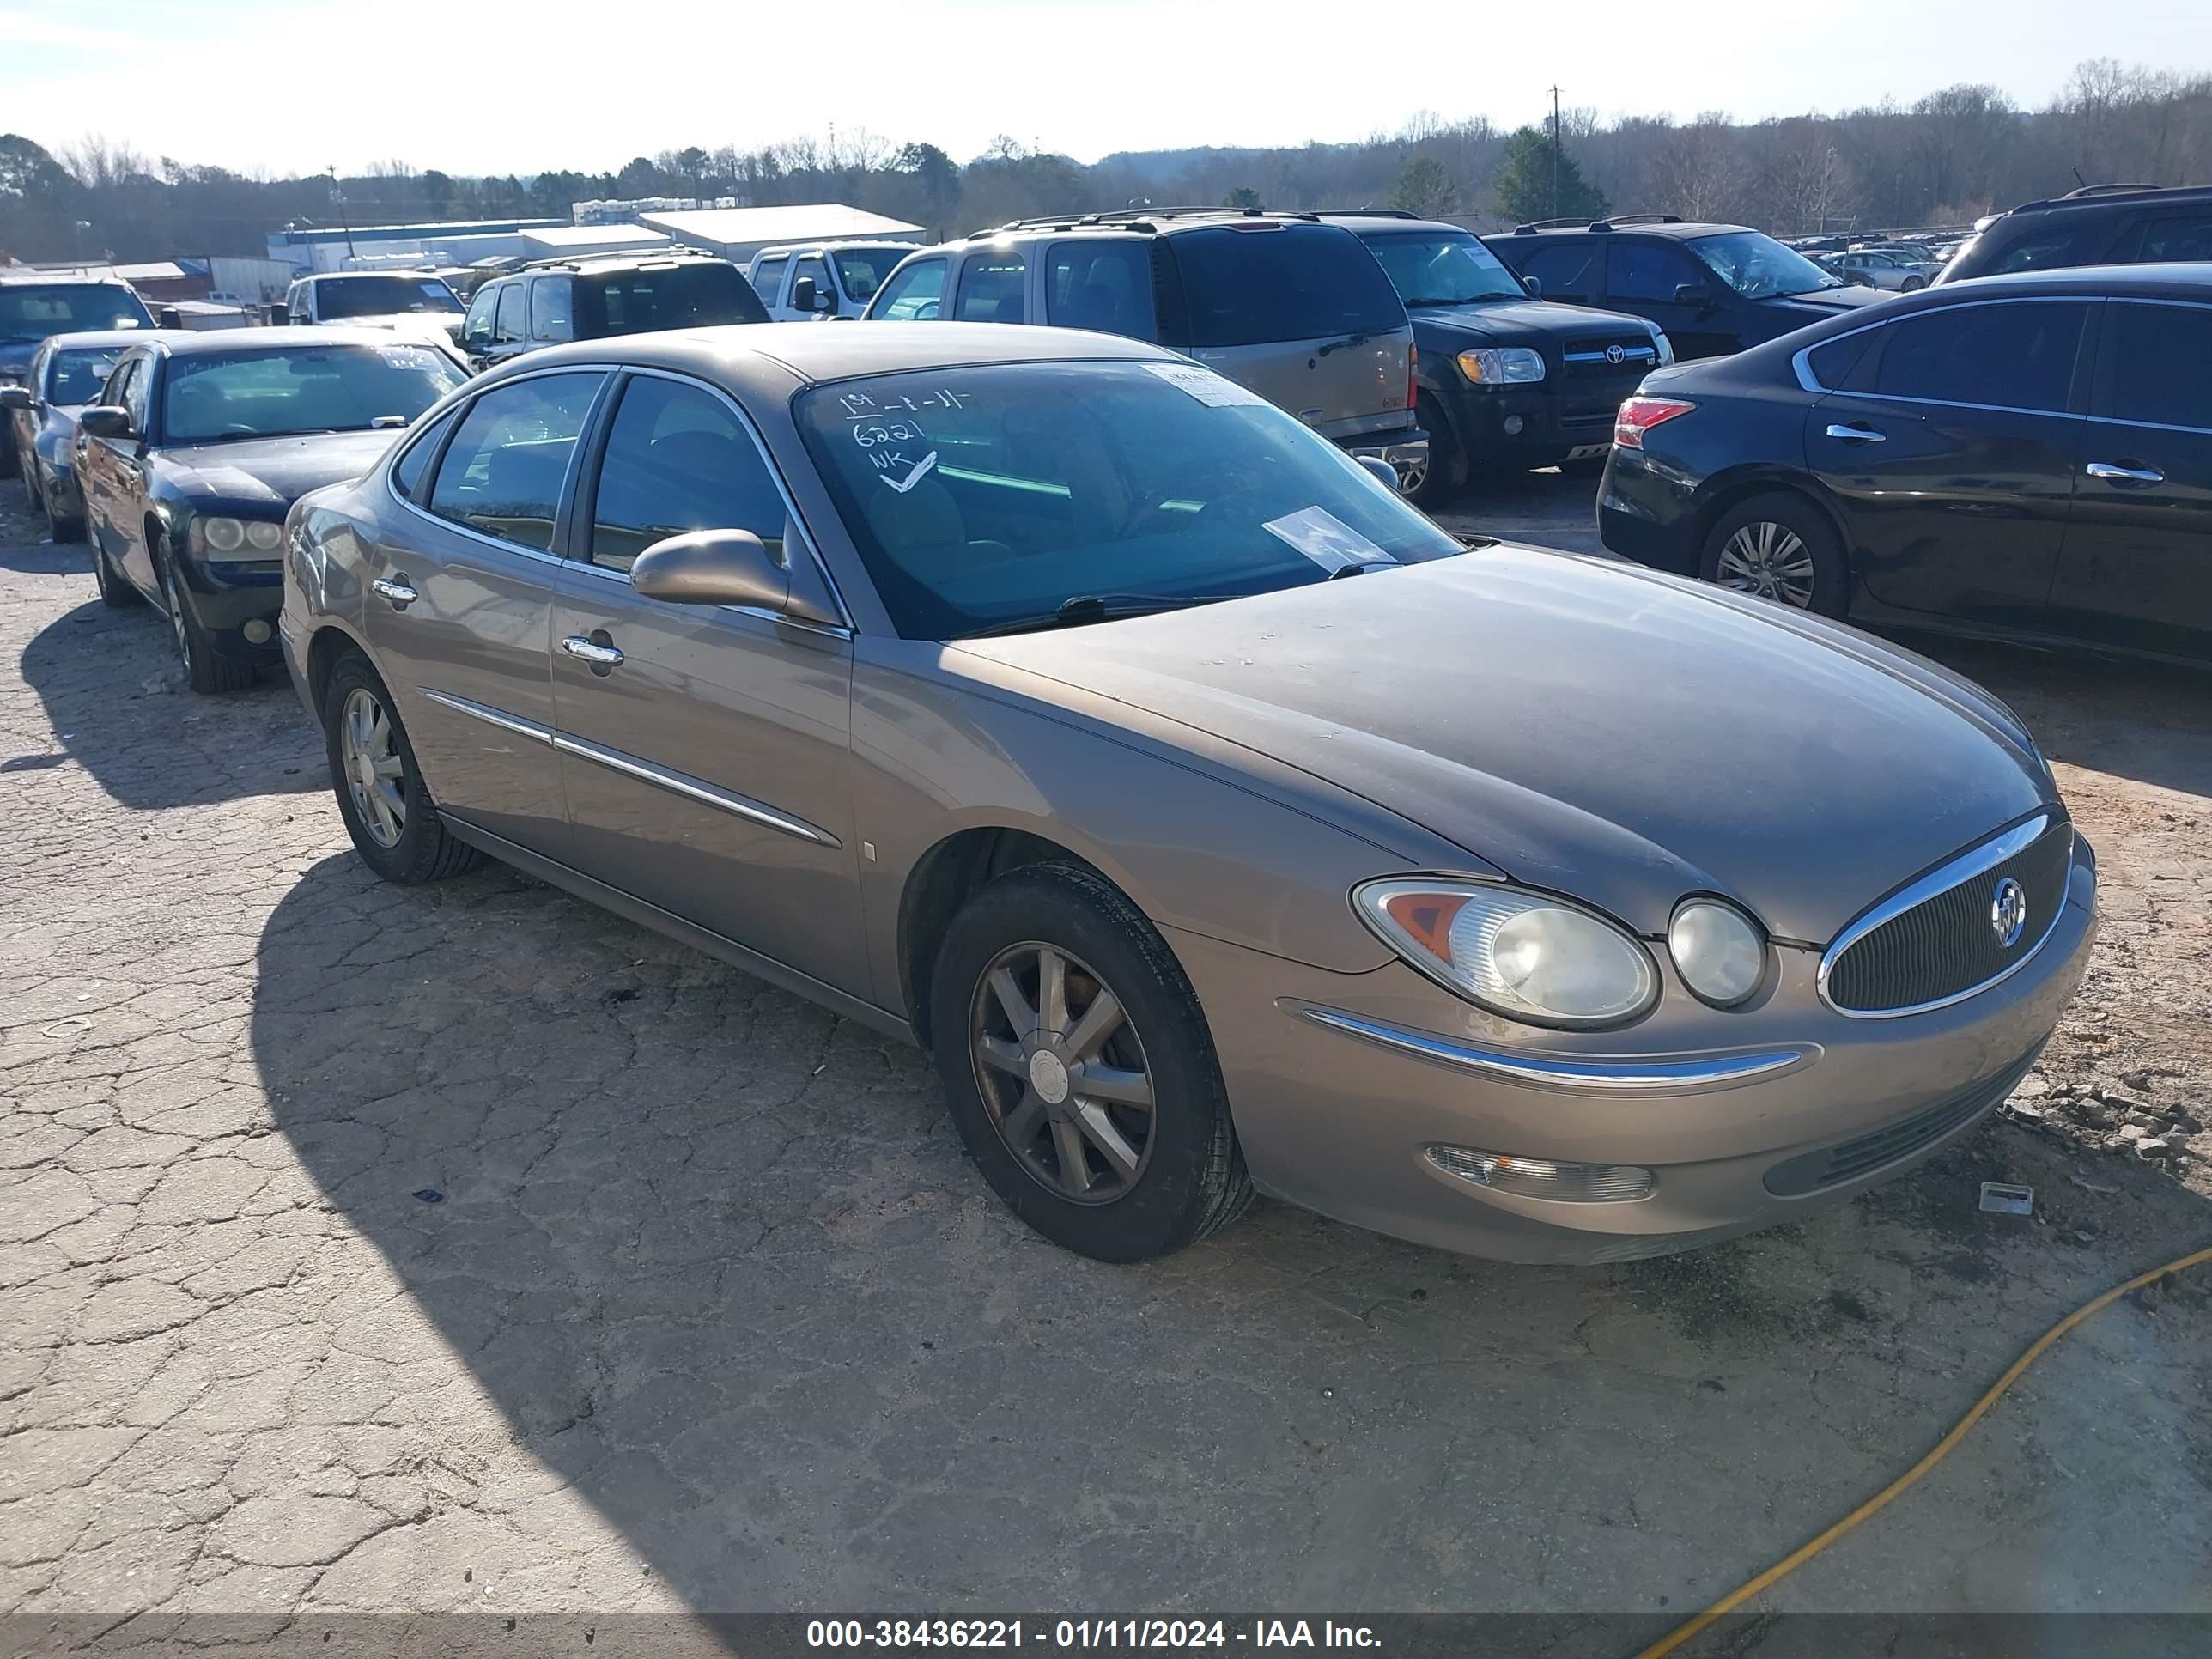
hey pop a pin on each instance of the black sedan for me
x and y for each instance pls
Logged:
(199, 446)
(2028, 457)
(64, 375)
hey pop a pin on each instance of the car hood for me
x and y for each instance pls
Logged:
(1609, 733)
(274, 471)
(1823, 301)
(1511, 322)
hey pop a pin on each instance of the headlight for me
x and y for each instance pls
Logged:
(1666, 348)
(1502, 366)
(1523, 955)
(218, 537)
(1718, 952)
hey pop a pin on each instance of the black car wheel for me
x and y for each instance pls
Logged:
(61, 527)
(114, 591)
(1078, 1069)
(207, 670)
(1779, 547)
(1447, 475)
(394, 823)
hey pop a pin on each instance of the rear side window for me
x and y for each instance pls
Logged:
(991, 287)
(2160, 362)
(552, 317)
(1650, 272)
(1833, 361)
(1568, 270)
(914, 293)
(2050, 250)
(501, 475)
(2003, 356)
(2166, 241)
(767, 278)
(705, 294)
(407, 473)
(677, 460)
(1101, 285)
(1299, 282)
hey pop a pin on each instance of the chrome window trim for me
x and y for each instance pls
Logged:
(490, 716)
(1622, 1076)
(1974, 861)
(775, 476)
(1800, 360)
(683, 783)
(465, 395)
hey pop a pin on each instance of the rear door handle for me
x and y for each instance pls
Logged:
(396, 591)
(600, 652)
(1857, 435)
(2119, 474)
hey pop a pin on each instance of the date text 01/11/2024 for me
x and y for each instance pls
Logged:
(1084, 1633)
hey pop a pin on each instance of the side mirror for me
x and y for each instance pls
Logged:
(1694, 293)
(104, 420)
(15, 396)
(1381, 471)
(720, 567)
(278, 313)
(805, 296)
(168, 317)
(1534, 285)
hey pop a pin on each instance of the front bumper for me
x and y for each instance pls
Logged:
(234, 603)
(1744, 1120)
(1405, 451)
(1524, 427)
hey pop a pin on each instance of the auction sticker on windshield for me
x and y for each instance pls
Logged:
(1326, 539)
(1203, 383)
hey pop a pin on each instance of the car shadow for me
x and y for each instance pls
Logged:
(116, 704)
(721, 1265)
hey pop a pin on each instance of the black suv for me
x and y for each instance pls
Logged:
(2097, 225)
(1714, 288)
(588, 298)
(1506, 381)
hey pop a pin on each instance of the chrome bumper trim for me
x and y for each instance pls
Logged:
(1623, 1076)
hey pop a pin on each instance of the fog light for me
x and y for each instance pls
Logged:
(1539, 1177)
(1513, 425)
(256, 632)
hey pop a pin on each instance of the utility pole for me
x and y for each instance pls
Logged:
(1555, 153)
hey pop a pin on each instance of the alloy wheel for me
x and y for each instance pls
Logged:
(1768, 560)
(175, 600)
(374, 777)
(1062, 1073)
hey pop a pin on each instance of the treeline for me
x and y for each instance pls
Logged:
(1942, 159)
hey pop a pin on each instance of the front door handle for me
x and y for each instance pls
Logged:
(1857, 435)
(2119, 473)
(396, 590)
(599, 651)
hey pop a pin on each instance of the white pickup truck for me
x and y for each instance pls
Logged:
(408, 301)
(822, 279)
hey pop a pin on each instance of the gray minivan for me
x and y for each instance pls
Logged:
(1294, 309)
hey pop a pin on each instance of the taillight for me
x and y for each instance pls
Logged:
(1413, 382)
(1640, 414)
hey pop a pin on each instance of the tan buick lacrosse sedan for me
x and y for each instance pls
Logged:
(1216, 822)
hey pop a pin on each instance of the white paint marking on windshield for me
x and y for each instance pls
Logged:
(913, 478)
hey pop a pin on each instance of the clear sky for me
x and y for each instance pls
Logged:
(520, 86)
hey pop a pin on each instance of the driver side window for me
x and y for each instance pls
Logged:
(1650, 272)
(913, 295)
(475, 332)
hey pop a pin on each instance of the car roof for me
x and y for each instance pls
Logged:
(1647, 224)
(12, 275)
(588, 265)
(97, 339)
(2091, 197)
(765, 357)
(2176, 281)
(1361, 220)
(207, 343)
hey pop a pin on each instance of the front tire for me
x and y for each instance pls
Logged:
(1077, 1067)
(207, 670)
(1447, 475)
(114, 592)
(394, 823)
(1780, 547)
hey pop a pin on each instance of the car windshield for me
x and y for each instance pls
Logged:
(76, 376)
(1429, 268)
(1029, 494)
(31, 311)
(382, 296)
(862, 270)
(706, 293)
(1757, 267)
(322, 388)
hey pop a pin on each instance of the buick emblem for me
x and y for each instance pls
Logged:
(2007, 913)
(1616, 356)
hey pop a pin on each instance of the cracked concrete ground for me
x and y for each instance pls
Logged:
(468, 1248)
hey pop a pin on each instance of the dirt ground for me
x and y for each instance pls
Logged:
(466, 1248)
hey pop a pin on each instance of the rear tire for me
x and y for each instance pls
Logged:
(1447, 475)
(372, 776)
(1147, 1180)
(1779, 546)
(207, 670)
(114, 592)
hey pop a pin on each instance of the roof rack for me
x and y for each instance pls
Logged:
(1365, 213)
(1138, 218)
(2104, 190)
(1613, 220)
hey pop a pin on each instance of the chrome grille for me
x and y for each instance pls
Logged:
(1592, 354)
(1943, 938)
(1833, 1166)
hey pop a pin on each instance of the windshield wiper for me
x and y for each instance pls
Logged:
(1082, 608)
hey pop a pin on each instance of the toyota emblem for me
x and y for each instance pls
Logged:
(1616, 356)
(2007, 913)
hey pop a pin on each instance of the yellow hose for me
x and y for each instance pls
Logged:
(1797, 1557)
